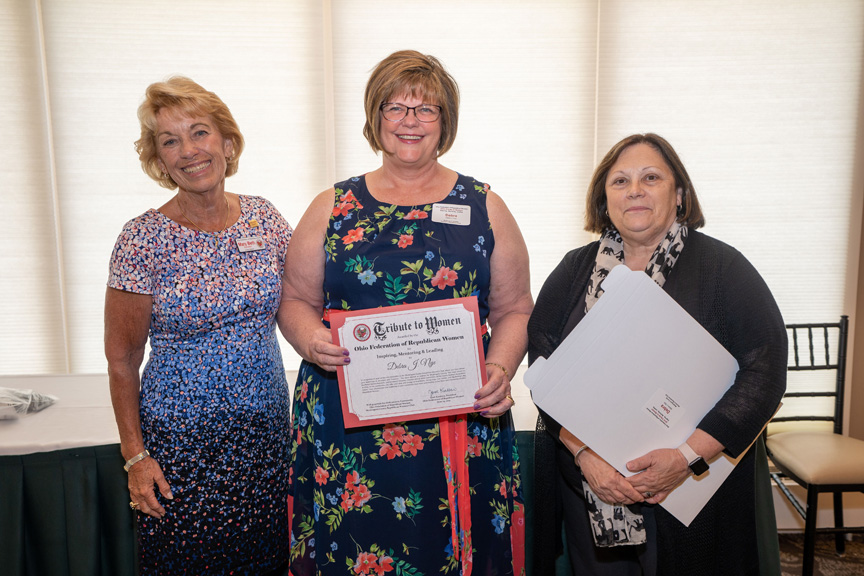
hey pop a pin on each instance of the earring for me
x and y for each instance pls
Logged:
(680, 210)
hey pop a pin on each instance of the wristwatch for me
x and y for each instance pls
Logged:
(696, 463)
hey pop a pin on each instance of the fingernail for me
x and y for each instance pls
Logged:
(344, 352)
(170, 496)
(347, 360)
(476, 406)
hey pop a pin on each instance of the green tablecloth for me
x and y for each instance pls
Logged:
(66, 513)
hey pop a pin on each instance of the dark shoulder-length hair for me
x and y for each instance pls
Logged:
(419, 76)
(596, 214)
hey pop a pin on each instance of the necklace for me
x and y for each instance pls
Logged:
(218, 233)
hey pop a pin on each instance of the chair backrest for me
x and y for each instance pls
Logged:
(814, 347)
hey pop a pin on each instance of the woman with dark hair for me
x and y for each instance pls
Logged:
(427, 496)
(642, 203)
(205, 429)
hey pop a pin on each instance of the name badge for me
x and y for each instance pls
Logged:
(250, 244)
(451, 214)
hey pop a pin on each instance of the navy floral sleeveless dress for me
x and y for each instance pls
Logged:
(434, 496)
(214, 400)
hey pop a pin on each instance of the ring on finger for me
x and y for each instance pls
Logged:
(509, 397)
(133, 505)
(648, 494)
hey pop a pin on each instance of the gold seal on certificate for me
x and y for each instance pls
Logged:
(410, 361)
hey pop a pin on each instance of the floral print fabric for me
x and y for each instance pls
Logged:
(214, 400)
(414, 497)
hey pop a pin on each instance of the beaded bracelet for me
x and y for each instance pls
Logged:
(135, 459)
(507, 374)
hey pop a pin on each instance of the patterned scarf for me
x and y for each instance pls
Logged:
(611, 254)
(616, 524)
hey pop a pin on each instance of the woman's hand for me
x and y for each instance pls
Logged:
(143, 476)
(494, 398)
(661, 471)
(605, 481)
(321, 351)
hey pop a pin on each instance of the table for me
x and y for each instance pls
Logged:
(82, 415)
(63, 495)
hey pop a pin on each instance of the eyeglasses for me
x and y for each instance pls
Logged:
(397, 112)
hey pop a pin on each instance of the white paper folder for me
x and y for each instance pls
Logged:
(638, 373)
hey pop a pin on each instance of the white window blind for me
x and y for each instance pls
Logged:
(760, 99)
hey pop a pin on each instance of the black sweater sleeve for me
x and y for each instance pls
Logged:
(725, 293)
(756, 337)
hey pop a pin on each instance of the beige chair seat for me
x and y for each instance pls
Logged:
(819, 457)
(795, 426)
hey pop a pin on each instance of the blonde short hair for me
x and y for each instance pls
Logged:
(419, 76)
(190, 98)
(596, 214)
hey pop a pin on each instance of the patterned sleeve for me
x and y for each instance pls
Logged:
(280, 230)
(131, 267)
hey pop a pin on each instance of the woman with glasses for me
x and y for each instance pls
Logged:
(423, 496)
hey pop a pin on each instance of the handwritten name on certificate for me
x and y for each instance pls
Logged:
(410, 361)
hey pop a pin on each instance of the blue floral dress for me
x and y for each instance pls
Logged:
(214, 400)
(434, 496)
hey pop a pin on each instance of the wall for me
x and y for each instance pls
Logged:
(856, 383)
(855, 378)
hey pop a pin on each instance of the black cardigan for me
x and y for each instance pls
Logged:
(716, 285)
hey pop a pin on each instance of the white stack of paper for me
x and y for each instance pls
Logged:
(636, 374)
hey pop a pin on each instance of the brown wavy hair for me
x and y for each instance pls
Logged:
(419, 76)
(596, 215)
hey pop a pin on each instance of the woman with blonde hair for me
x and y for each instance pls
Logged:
(204, 430)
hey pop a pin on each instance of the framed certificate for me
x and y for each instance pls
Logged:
(410, 361)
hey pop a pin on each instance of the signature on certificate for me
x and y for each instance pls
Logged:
(412, 365)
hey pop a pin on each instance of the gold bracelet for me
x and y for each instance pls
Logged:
(507, 374)
(135, 459)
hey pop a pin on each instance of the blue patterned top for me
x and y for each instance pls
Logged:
(214, 400)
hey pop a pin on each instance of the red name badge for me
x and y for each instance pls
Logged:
(251, 244)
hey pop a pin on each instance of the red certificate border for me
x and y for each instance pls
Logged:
(337, 320)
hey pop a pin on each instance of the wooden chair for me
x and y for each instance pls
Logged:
(819, 460)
